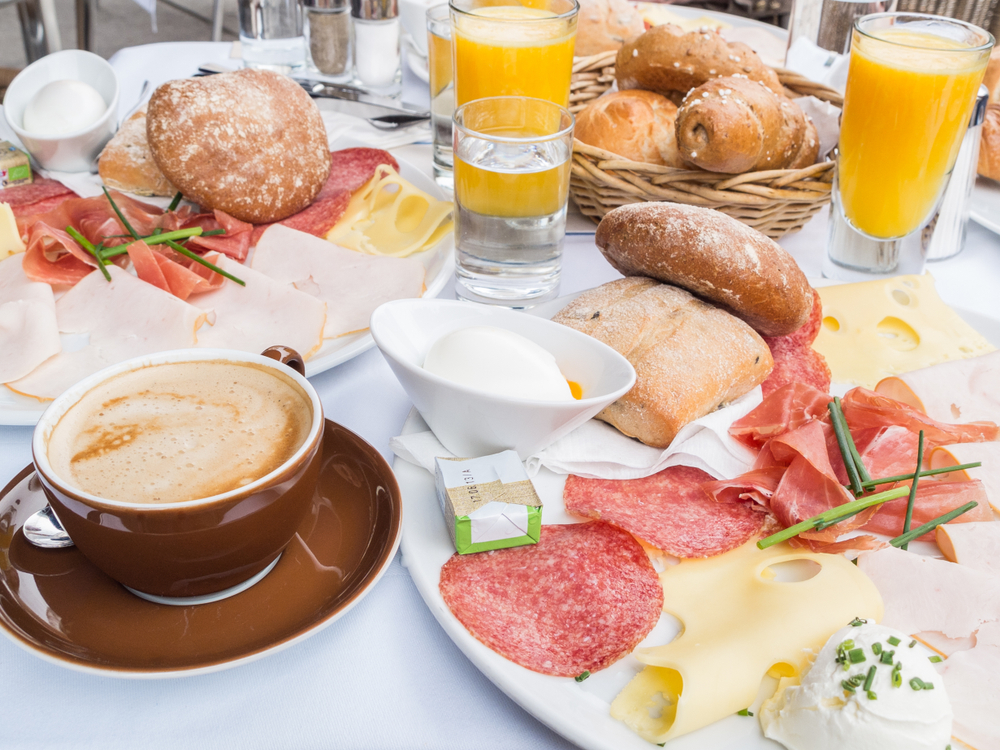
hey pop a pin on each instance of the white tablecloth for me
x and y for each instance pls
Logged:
(384, 676)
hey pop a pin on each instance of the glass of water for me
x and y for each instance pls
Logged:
(512, 158)
(442, 84)
(271, 35)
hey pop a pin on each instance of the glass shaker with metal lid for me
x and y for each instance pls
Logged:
(376, 45)
(328, 35)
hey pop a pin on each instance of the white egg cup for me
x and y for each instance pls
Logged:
(72, 152)
(471, 423)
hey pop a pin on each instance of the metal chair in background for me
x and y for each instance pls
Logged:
(39, 28)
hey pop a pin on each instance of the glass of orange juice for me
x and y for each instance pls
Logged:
(911, 87)
(512, 165)
(442, 85)
(513, 48)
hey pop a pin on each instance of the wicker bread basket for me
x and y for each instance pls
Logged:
(774, 202)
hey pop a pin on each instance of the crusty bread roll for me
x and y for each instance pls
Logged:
(989, 146)
(736, 125)
(251, 143)
(711, 255)
(991, 79)
(690, 357)
(602, 25)
(636, 124)
(126, 163)
(666, 59)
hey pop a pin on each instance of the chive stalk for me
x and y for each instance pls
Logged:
(89, 247)
(844, 442)
(913, 490)
(902, 540)
(925, 473)
(198, 259)
(175, 202)
(121, 216)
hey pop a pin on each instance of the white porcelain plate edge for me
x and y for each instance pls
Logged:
(16, 410)
(985, 208)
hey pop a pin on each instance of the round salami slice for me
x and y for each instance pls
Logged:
(34, 192)
(668, 510)
(795, 362)
(351, 168)
(579, 600)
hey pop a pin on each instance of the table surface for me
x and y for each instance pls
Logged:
(385, 675)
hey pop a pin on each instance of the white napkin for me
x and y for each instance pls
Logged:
(599, 451)
(818, 64)
(826, 118)
(360, 132)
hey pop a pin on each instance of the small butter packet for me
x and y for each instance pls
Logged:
(15, 166)
(488, 503)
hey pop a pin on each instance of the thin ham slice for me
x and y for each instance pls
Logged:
(785, 409)
(972, 679)
(966, 453)
(53, 257)
(351, 284)
(933, 499)
(235, 242)
(124, 318)
(29, 333)
(262, 314)
(924, 594)
(173, 272)
(975, 545)
(350, 168)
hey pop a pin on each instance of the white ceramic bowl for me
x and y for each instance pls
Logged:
(73, 152)
(413, 16)
(471, 423)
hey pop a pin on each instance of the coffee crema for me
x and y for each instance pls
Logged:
(180, 431)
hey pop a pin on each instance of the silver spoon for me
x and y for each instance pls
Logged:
(43, 529)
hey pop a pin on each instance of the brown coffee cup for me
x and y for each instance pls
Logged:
(199, 546)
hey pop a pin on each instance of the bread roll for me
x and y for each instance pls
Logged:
(991, 79)
(711, 255)
(666, 59)
(690, 358)
(989, 147)
(736, 125)
(638, 125)
(603, 25)
(126, 163)
(251, 143)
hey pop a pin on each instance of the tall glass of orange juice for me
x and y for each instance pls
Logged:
(513, 48)
(512, 165)
(911, 86)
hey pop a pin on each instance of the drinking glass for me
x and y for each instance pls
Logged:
(512, 165)
(271, 34)
(911, 86)
(442, 83)
(506, 48)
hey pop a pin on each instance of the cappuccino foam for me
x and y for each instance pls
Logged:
(180, 431)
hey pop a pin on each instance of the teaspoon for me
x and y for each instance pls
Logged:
(43, 529)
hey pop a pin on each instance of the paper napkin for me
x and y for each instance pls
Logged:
(597, 450)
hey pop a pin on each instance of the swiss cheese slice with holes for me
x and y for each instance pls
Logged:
(743, 618)
(876, 329)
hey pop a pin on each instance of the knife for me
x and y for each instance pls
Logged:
(382, 112)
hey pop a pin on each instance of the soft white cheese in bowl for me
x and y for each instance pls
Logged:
(867, 690)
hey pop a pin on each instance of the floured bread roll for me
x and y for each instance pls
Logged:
(690, 357)
(636, 124)
(989, 148)
(251, 143)
(603, 25)
(127, 164)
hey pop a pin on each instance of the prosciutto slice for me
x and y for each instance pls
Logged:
(29, 333)
(262, 314)
(351, 284)
(123, 318)
(173, 272)
(785, 409)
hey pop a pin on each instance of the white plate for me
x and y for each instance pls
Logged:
(580, 712)
(985, 208)
(439, 262)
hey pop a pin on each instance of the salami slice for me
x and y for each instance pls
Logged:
(350, 168)
(21, 196)
(668, 510)
(579, 600)
(795, 361)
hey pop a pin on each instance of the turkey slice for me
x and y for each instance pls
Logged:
(351, 284)
(124, 318)
(988, 454)
(29, 334)
(261, 314)
(972, 679)
(975, 545)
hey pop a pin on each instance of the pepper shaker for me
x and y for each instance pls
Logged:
(944, 236)
(376, 45)
(328, 37)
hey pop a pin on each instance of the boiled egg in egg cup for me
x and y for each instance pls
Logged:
(489, 384)
(64, 109)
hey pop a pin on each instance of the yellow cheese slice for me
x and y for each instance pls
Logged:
(10, 238)
(389, 216)
(741, 622)
(880, 328)
(655, 15)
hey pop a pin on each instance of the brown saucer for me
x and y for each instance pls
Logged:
(74, 615)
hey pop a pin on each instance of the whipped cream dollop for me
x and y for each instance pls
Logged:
(63, 107)
(903, 707)
(499, 362)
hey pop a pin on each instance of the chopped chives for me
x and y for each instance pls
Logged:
(580, 677)
(908, 518)
(897, 679)
(872, 696)
(935, 659)
(917, 684)
(913, 643)
(887, 657)
(893, 640)
(857, 622)
(876, 648)
(870, 678)
(848, 644)
(744, 712)
(848, 686)
(928, 686)
(856, 655)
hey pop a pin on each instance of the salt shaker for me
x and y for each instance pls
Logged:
(376, 45)
(944, 236)
(328, 35)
